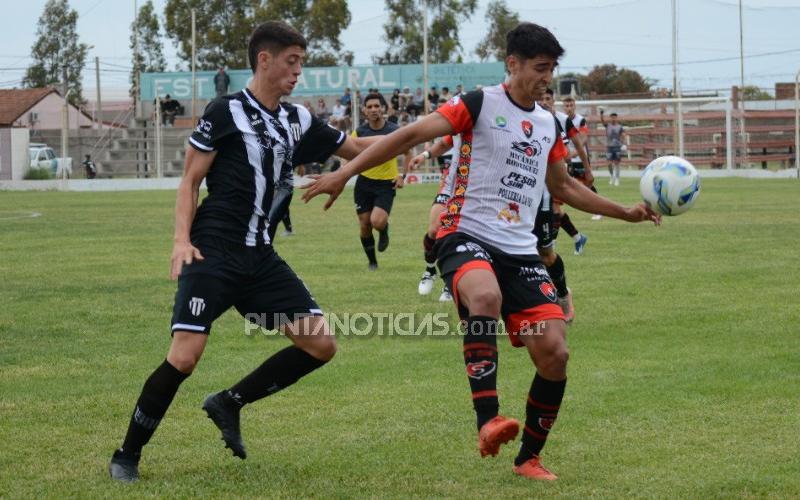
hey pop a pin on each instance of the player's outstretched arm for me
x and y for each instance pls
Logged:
(389, 146)
(195, 170)
(575, 194)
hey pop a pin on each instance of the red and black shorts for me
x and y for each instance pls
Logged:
(529, 295)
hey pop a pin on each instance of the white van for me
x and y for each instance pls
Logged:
(43, 156)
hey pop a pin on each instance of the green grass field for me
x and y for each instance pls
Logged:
(683, 382)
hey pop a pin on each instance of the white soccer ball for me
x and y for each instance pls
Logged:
(670, 185)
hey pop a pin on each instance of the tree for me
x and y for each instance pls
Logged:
(753, 93)
(403, 31)
(608, 79)
(57, 52)
(320, 21)
(501, 20)
(150, 58)
(224, 28)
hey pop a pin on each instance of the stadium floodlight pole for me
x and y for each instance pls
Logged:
(677, 124)
(98, 106)
(137, 98)
(194, 82)
(64, 121)
(741, 84)
(797, 123)
(729, 134)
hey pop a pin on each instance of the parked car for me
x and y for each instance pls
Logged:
(43, 156)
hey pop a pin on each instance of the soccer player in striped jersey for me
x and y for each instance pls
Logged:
(486, 250)
(223, 257)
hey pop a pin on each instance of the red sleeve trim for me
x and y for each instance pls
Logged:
(557, 152)
(457, 114)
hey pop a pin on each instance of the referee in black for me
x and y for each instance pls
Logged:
(222, 255)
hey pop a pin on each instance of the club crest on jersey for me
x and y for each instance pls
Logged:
(197, 306)
(480, 369)
(527, 128)
(548, 290)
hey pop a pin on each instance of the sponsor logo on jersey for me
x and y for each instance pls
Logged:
(527, 128)
(510, 214)
(481, 369)
(500, 121)
(475, 249)
(204, 128)
(534, 273)
(197, 306)
(516, 180)
(529, 149)
(548, 290)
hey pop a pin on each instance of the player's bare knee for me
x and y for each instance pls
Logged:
(378, 221)
(323, 347)
(184, 362)
(485, 302)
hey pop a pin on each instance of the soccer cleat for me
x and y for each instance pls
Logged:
(580, 244)
(616, 181)
(495, 432)
(383, 239)
(533, 469)
(124, 468)
(288, 232)
(566, 305)
(445, 296)
(426, 283)
(226, 418)
(373, 266)
(597, 217)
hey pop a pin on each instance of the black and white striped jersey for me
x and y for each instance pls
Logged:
(254, 145)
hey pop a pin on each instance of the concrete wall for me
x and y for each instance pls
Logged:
(14, 156)
(49, 111)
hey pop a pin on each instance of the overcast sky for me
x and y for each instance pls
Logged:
(631, 33)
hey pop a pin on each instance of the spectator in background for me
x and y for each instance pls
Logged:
(459, 90)
(310, 107)
(322, 109)
(395, 100)
(338, 113)
(406, 99)
(221, 82)
(433, 98)
(417, 106)
(169, 108)
(346, 98)
(445, 94)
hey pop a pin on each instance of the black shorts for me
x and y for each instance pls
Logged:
(254, 280)
(370, 193)
(547, 225)
(528, 292)
(614, 153)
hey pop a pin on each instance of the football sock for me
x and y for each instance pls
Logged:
(568, 226)
(369, 248)
(593, 188)
(287, 221)
(157, 394)
(559, 276)
(480, 357)
(278, 372)
(430, 269)
(427, 245)
(544, 400)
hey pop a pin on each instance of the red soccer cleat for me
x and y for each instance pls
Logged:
(495, 432)
(533, 469)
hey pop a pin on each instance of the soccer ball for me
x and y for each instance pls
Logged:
(670, 185)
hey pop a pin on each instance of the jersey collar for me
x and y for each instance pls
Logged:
(263, 108)
(523, 108)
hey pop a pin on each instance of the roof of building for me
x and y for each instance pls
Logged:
(16, 102)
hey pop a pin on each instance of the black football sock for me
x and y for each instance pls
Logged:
(369, 248)
(559, 276)
(593, 188)
(427, 245)
(480, 357)
(287, 221)
(280, 371)
(157, 394)
(568, 226)
(544, 400)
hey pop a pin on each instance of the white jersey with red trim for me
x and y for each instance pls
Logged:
(500, 168)
(579, 122)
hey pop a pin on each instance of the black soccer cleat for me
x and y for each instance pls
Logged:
(124, 468)
(383, 239)
(226, 417)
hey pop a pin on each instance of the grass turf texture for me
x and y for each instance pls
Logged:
(683, 379)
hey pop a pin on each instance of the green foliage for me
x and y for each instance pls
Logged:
(224, 28)
(683, 372)
(404, 30)
(754, 93)
(608, 79)
(151, 55)
(57, 51)
(38, 174)
(501, 20)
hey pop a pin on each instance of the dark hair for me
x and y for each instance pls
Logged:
(445, 89)
(529, 40)
(374, 95)
(549, 92)
(569, 98)
(613, 114)
(273, 36)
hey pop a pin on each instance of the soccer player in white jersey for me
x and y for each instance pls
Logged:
(510, 148)
(446, 146)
